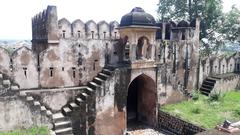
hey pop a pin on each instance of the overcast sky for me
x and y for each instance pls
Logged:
(16, 14)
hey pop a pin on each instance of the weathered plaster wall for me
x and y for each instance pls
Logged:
(15, 113)
(25, 68)
(227, 83)
(111, 103)
(223, 66)
(4, 61)
(78, 29)
(214, 62)
(230, 64)
(74, 62)
(55, 99)
(65, 30)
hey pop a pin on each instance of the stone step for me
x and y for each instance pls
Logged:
(79, 101)
(73, 106)
(6, 83)
(43, 109)
(49, 113)
(107, 71)
(66, 111)
(211, 80)
(209, 83)
(205, 89)
(103, 76)
(215, 77)
(93, 85)
(98, 80)
(207, 86)
(29, 98)
(14, 87)
(204, 93)
(83, 96)
(22, 94)
(64, 131)
(57, 117)
(89, 91)
(36, 103)
(62, 125)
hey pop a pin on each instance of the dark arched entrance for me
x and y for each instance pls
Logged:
(141, 101)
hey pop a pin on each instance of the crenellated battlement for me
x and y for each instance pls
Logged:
(216, 65)
(182, 30)
(89, 30)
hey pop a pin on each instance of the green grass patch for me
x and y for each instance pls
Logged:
(29, 131)
(207, 112)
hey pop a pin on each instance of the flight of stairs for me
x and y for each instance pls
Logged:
(82, 102)
(61, 124)
(61, 121)
(208, 85)
(7, 86)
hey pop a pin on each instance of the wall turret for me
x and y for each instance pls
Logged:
(45, 29)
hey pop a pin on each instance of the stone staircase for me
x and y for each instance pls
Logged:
(208, 85)
(61, 124)
(83, 104)
(7, 86)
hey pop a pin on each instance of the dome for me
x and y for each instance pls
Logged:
(137, 17)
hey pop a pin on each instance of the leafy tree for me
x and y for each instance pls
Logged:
(231, 25)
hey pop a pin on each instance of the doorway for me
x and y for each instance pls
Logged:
(141, 101)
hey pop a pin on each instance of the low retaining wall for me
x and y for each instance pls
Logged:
(227, 82)
(176, 125)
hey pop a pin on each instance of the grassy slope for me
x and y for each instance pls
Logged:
(30, 131)
(207, 114)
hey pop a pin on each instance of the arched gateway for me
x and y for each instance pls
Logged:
(142, 101)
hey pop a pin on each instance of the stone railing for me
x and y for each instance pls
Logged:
(175, 125)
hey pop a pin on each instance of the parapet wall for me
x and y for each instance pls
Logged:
(182, 30)
(176, 125)
(89, 30)
(72, 63)
(214, 65)
(227, 82)
(16, 114)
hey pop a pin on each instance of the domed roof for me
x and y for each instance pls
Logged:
(137, 17)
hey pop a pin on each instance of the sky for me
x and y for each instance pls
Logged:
(16, 14)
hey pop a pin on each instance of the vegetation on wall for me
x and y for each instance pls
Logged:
(207, 112)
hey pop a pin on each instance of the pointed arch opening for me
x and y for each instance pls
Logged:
(141, 101)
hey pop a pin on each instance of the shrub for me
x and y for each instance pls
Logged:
(237, 112)
(196, 110)
(216, 96)
(195, 95)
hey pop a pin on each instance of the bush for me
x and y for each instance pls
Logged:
(216, 96)
(195, 95)
(196, 110)
(237, 112)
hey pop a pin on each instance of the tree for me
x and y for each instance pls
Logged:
(231, 25)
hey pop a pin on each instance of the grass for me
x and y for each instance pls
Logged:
(29, 131)
(205, 112)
